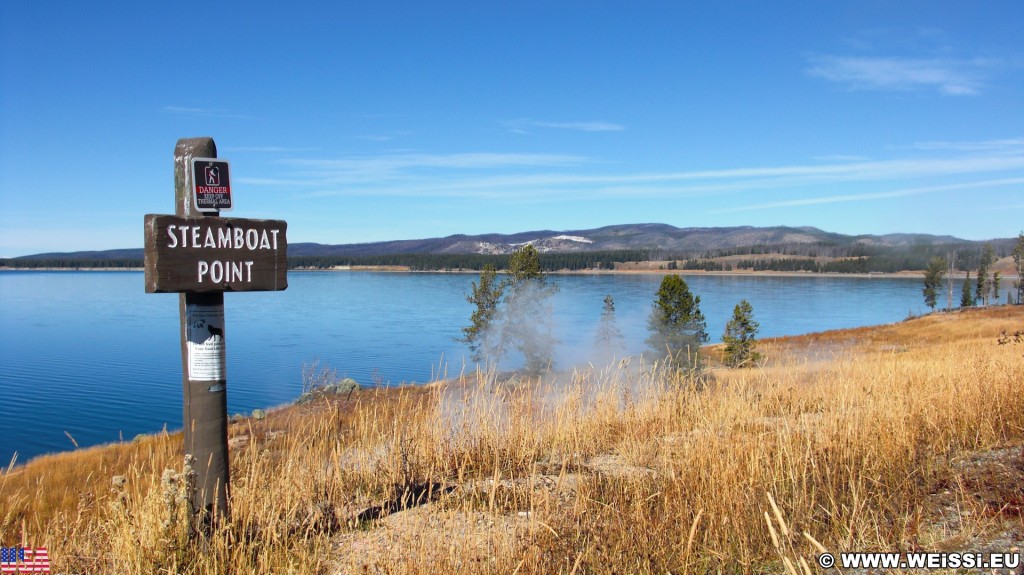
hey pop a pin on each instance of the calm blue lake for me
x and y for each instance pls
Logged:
(92, 355)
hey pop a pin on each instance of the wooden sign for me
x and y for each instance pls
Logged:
(215, 254)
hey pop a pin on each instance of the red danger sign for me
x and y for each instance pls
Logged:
(212, 184)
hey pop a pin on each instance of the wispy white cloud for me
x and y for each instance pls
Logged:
(1002, 208)
(840, 158)
(1008, 145)
(205, 112)
(391, 163)
(839, 198)
(409, 174)
(946, 75)
(540, 177)
(521, 126)
(583, 126)
(269, 149)
(384, 137)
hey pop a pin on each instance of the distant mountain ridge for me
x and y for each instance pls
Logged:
(660, 237)
(651, 236)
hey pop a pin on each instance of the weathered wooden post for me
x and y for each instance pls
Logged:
(201, 255)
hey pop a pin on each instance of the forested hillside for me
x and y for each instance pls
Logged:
(666, 247)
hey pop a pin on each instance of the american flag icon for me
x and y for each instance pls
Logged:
(24, 560)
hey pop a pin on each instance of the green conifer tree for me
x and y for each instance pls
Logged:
(479, 334)
(739, 337)
(984, 283)
(609, 339)
(1018, 260)
(676, 323)
(527, 313)
(966, 299)
(933, 280)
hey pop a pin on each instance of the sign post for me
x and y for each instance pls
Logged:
(201, 255)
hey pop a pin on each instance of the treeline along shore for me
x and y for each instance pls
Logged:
(805, 258)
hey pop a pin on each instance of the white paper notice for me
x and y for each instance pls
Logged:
(206, 356)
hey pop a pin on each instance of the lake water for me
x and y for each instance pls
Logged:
(90, 355)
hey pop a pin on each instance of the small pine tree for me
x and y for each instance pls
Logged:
(677, 326)
(478, 334)
(524, 265)
(984, 283)
(609, 338)
(933, 280)
(739, 337)
(966, 299)
(1018, 260)
(527, 312)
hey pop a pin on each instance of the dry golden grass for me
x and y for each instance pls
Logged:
(849, 440)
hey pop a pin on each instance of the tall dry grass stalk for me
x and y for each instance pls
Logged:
(597, 471)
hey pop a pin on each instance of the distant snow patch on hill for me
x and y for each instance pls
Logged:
(560, 243)
(579, 239)
(489, 248)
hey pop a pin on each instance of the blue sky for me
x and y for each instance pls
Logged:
(388, 120)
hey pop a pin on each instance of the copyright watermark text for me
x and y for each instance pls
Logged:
(921, 560)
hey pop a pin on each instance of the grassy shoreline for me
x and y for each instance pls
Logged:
(898, 437)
